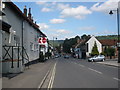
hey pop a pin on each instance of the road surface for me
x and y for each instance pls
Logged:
(65, 73)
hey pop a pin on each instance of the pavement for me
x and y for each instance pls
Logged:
(111, 62)
(30, 78)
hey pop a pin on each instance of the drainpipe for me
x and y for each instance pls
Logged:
(22, 41)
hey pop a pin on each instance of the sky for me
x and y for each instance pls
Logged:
(68, 19)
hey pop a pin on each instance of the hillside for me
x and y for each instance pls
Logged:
(107, 37)
(56, 42)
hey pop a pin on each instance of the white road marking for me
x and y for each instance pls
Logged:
(50, 85)
(116, 79)
(78, 64)
(43, 80)
(75, 63)
(81, 65)
(95, 70)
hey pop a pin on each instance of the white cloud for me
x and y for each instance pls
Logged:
(41, 3)
(62, 6)
(63, 31)
(78, 12)
(106, 6)
(88, 28)
(106, 32)
(46, 9)
(56, 21)
(43, 26)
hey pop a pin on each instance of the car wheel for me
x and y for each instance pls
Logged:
(92, 60)
(103, 60)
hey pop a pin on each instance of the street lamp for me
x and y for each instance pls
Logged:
(118, 44)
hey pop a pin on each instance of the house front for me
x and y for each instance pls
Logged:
(106, 43)
(19, 45)
(90, 44)
(84, 47)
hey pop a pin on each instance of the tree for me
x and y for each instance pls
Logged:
(85, 37)
(95, 50)
(110, 52)
(58, 48)
(68, 43)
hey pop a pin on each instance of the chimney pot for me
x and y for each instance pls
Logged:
(25, 10)
(29, 14)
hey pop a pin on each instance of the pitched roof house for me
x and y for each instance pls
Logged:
(86, 46)
(110, 43)
(24, 32)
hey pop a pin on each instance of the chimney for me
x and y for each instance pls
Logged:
(29, 14)
(25, 10)
(32, 19)
(35, 22)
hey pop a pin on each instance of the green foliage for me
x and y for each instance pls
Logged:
(103, 53)
(56, 42)
(109, 51)
(58, 48)
(85, 37)
(95, 50)
(68, 43)
(107, 37)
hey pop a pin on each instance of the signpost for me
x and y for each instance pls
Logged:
(42, 41)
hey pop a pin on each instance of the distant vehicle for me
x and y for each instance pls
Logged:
(66, 56)
(97, 58)
(56, 56)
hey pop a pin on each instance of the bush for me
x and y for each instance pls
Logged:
(102, 53)
(95, 50)
(109, 51)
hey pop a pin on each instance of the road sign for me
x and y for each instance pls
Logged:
(42, 40)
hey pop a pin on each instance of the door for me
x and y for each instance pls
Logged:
(83, 55)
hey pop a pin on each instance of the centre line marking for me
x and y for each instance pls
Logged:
(50, 85)
(95, 70)
(81, 65)
(43, 80)
(116, 79)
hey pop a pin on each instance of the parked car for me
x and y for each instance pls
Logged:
(66, 56)
(56, 56)
(97, 58)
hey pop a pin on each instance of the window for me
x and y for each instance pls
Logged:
(31, 46)
(16, 40)
(37, 47)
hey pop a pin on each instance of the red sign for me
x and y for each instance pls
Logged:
(42, 40)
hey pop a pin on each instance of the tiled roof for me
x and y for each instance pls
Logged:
(108, 42)
(16, 9)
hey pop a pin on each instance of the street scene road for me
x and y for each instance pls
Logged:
(52, 45)
(65, 73)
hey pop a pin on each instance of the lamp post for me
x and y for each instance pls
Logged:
(118, 44)
(53, 43)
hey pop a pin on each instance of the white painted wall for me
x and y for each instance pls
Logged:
(15, 21)
(0, 57)
(0, 51)
(91, 43)
(29, 36)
